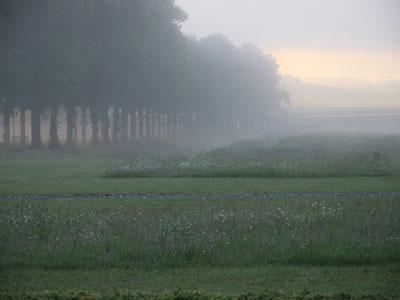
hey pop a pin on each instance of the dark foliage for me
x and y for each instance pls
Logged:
(126, 56)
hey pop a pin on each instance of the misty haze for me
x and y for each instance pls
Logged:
(199, 149)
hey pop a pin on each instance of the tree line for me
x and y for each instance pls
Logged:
(126, 68)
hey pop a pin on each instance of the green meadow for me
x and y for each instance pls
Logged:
(330, 233)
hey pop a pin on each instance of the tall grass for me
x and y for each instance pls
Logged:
(259, 163)
(162, 234)
(297, 156)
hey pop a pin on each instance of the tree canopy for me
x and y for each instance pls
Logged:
(124, 56)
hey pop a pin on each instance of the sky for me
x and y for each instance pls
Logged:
(339, 43)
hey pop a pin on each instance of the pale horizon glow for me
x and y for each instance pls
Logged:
(340, 43)
(338, 68)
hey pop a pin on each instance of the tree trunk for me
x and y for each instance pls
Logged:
(116, 124)
(156, 128)
(124, 124)
(71, 123)
(75, 135)
(150, 127)
(164, 126)
(94, 116)
(144, 126)
(170, 125)
(105, 126)
(138, 124)
(35, 128)
(53, 132)
(84, 118)
(133, 124)
(179, 125)
(7, 125)
(22, 127)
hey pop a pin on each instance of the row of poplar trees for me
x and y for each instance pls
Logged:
(122, 56)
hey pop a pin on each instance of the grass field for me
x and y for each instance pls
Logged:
(300, 246)
(174, 234)
(37, 172)
(359, 280)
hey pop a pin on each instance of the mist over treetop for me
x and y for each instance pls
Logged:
(124, 58)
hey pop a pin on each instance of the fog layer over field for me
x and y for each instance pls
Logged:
(123, 72)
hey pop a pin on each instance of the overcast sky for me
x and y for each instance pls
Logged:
(328, 41)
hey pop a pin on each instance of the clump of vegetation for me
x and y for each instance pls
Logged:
(259, 162)
(305, 156)
(170, 234)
